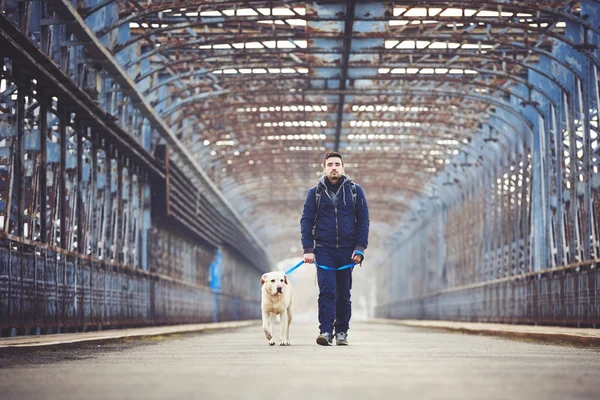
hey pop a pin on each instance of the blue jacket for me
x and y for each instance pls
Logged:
(338, 223)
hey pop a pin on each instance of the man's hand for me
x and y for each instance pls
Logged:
(309, 258)
(357, 258)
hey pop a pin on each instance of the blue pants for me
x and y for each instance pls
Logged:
(335, 307)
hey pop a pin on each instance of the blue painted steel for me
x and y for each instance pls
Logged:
(216, 273)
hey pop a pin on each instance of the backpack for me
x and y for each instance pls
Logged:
(318, 193)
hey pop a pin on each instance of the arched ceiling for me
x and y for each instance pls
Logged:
(412, 93)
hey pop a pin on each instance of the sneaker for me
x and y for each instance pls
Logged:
(324, 339)
(341, 339)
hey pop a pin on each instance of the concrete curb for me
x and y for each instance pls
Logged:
(555, 334)
(101, 336)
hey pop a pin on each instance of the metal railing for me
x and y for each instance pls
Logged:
(566, 295)
(44, 289)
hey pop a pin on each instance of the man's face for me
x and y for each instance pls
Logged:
(334, 169)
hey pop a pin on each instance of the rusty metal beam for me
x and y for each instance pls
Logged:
(98, 51)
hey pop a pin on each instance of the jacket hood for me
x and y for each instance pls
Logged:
(346, 180)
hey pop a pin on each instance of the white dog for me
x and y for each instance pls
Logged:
(276, 299)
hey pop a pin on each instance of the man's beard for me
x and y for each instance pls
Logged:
(334, 179)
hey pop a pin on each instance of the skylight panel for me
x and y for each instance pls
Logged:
(308, 124)
(268, 21)
(210, 14)
(457, 12)
(416, 12)
(486, 13)
(246, 12)
(285, 44)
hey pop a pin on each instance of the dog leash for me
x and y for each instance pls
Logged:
(295, 267)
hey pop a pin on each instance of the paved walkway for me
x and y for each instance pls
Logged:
(383, 361)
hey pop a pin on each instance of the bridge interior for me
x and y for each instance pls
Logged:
(155, 156)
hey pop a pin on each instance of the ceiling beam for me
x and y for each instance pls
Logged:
(348, 27)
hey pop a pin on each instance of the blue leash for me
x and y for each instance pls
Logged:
(295, 267)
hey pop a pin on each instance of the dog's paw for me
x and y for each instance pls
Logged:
(284, 343)
(271, 342)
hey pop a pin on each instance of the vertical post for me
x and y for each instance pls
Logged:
(146, 222)
(131, 237)
(62, 190)
(558, 172)
(19, 157)
(524, 213)
(215, 307)
(79, 200)
(513, 226)
(572, 223)
(23, 9)
(538, 200)
(236, 308)
(585, 104)
(19, 178)
(496, 201)
(44, 30)
(118, 220)
(43, 122)
(547, 168)
(140, 224)
(108, 204)
(93, 229)
(489, 221)
(167, 180)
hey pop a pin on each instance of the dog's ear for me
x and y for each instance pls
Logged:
(263, 279)
(285, 279)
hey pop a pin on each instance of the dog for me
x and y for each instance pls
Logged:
(276, 299)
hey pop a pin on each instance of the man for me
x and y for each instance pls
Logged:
(335, 230)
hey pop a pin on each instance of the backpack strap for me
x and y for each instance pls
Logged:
(354, 194)
(318, 192)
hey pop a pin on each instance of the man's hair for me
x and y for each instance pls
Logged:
(330, 154)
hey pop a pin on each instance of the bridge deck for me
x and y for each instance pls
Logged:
(383, 361)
